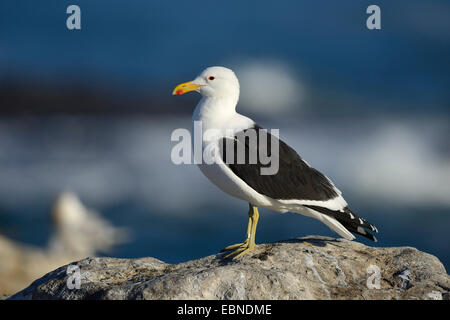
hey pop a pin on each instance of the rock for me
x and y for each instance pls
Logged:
(305, 268)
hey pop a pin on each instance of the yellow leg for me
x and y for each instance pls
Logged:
(249, 243)
(249, 230)
(245, 243)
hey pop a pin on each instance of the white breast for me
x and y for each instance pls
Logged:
(219, 116)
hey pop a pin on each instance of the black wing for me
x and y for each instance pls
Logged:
(295, 179)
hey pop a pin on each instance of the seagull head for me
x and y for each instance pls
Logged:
(213, 82)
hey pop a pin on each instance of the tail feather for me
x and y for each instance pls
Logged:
(337, 226)
(348, 219)
(361, 231)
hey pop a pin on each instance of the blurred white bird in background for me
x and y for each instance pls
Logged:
(78, 233)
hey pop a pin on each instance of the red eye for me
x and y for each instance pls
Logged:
(211, 78)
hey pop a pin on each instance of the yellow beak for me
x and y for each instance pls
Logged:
(185, 87)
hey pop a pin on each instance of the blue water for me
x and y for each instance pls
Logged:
(140, 45)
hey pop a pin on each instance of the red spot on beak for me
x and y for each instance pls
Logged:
(179, 92)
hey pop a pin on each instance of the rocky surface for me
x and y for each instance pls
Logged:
(306, 268)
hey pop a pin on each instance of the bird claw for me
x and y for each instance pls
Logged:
(242, 249)
(237, 245)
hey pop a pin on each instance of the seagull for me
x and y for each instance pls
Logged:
(80, 231)
(294, 187)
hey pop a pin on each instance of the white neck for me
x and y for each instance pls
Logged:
(214, 112)
(219, 114)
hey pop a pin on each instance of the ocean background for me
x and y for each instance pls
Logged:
(91, 111)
